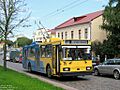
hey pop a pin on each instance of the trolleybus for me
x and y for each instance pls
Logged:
(56, 57)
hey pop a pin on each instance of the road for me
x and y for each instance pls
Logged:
(81, 83)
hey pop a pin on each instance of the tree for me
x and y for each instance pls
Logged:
(10, 11)
(9, 43)
(23, 41)
(96, 47)
(111, 24)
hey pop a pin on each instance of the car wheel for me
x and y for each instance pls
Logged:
(49, 75)
(96, 72)
(116, 74)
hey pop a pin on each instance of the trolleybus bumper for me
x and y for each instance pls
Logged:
(75, 73)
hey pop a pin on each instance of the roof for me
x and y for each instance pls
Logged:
(81, 19)
(52, 31)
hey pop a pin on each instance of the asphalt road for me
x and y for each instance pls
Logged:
(81, 83)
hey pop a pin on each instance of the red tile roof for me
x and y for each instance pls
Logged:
(52, 31)
(80, 20)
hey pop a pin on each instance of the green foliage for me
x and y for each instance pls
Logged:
(111, 24)
(11, 80)
(96, 47)
(10, 11)
(23, 41)
(10, 43)
(112, 17)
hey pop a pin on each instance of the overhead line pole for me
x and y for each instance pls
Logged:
(44, 29)
(40, 30)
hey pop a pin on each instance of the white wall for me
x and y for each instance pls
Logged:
(75, 29)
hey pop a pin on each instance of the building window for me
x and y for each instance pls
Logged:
(65, 35)
(86, 33)
(58, 34)
(62, 35)
(79, 34)
(72, 34)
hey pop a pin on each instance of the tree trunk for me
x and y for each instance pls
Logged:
(5, 51)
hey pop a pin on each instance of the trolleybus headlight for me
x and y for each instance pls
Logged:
(66, 69)
(88, 68)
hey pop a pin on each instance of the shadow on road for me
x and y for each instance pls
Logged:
(63, 79)
(70, 78)
(106, 76)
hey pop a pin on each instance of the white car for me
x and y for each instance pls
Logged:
(7, 56)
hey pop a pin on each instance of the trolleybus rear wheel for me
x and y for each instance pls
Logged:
(29, 68)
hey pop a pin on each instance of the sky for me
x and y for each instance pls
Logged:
(51, 13)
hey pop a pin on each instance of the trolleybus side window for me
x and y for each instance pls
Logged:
(48, 50)
(42, 51)
(25, 53)
(31, 51)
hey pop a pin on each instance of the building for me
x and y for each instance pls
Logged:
(86, 27)
(40, 34)
(52, 33)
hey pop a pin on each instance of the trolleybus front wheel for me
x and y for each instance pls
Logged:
(49, 73)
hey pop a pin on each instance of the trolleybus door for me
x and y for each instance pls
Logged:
(55, 59)
(25, 53)
(37, 54)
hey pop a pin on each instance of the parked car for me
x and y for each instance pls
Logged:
(109, 67)
(2, 52)
(8, 56)
(14, 55)
(16, 59)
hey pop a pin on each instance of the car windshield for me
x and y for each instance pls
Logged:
(117, 62)
(75, 54)
(111, 62)
(104, 63)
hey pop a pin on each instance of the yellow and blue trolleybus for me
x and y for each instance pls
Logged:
(56, 57)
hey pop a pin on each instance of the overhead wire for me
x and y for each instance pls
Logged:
(70, 7)
(61, 9)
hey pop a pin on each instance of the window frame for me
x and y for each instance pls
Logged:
(72, 34)
(61, 35)
(79, 33)
(86, 33)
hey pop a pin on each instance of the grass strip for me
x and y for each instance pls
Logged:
(12, 80)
